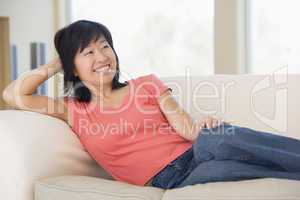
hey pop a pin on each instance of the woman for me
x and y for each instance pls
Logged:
(136, 130)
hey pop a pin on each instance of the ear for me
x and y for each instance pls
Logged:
(75, 72)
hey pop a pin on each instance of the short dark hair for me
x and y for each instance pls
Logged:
(68, 41)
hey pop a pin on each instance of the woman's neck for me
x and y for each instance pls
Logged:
(103, 92)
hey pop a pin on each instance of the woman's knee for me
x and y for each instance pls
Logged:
(208, 139)
(218, 132)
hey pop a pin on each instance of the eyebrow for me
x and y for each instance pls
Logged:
(102, 41)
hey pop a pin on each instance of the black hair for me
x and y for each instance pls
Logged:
(68, 41)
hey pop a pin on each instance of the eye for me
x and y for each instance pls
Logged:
(106, 46)
(89, 52)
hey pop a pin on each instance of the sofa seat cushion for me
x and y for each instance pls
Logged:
(92, 188)
(258, 189)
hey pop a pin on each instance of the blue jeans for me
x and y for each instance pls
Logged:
(232, 153)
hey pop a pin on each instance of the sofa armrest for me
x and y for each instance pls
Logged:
(36, 146)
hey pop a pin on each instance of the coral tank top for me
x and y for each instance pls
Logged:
(133, 142)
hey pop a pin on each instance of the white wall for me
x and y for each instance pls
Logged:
(230, 32)
(30, 21)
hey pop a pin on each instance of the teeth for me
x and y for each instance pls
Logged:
(102, 69)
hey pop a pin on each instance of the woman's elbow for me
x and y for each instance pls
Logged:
(7, 94)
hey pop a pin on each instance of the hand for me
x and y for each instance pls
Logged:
(209, 122)
(56, 64)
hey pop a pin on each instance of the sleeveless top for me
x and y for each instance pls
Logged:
(133, 142)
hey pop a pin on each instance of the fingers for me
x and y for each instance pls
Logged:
(215, 123)
(210, 122)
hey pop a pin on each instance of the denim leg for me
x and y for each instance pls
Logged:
(175, 171)
(228, 142)
(231, 170)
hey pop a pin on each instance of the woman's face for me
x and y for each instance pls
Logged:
(96, 64)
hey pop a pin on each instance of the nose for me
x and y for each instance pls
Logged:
(100, 56)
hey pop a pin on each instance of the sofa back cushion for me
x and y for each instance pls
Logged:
(263, 102)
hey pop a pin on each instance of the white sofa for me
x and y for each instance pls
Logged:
(42, 158)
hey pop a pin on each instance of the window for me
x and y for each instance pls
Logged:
(168, 38)
(274, 36)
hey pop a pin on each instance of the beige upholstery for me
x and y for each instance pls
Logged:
(87, 188)
(259, 189)
(42, 151)
(35, 146)
(84, 188)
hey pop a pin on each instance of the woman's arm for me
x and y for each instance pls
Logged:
(180, 120)
(19, 93)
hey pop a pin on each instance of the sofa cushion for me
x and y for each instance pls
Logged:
(92, 188)
(35, 146)
(258, 189)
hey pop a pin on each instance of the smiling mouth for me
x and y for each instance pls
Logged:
(104, 69)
